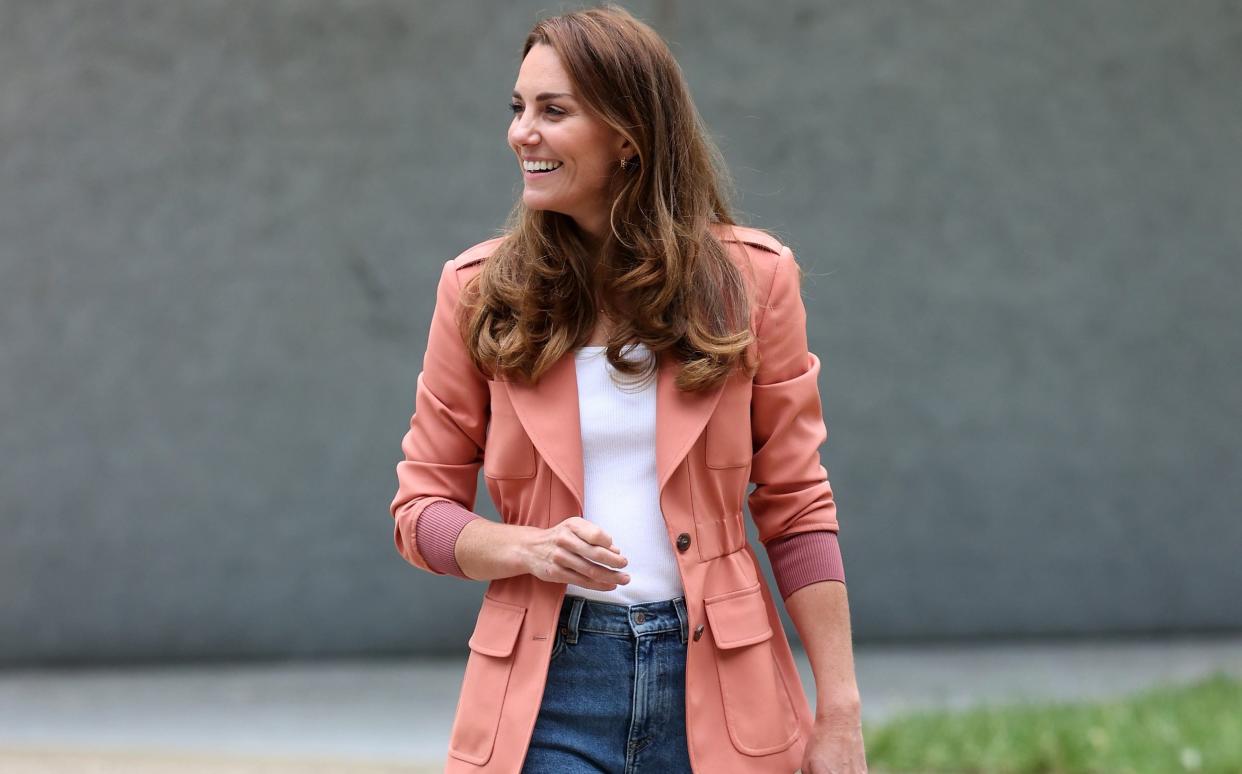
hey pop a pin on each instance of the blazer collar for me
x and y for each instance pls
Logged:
(548, 412)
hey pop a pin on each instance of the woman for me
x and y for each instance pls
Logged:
(622, 363)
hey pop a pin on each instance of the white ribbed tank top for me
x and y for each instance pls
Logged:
(618, 424)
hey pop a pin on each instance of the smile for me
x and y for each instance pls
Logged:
(539, 173)
(541, 166)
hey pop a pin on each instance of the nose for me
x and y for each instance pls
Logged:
(521, 136)
(521, 133)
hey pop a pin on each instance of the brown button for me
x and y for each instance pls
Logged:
(683, 541)
(698, 632)
(640, 616)
(564, 631)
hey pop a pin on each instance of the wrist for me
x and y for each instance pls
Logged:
(839, 709)
(519, 556)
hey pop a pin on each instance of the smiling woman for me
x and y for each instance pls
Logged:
(585, 657)
(552, 132)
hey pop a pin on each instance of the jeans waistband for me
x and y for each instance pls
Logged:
(579, 613)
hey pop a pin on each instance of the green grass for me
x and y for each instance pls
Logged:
(1190, 728)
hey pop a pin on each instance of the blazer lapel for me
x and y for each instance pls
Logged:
(680, 418)
(548, 412)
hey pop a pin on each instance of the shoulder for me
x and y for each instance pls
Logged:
(749, 236)
(760, 255)
(472, 256)
(761, 251)
(457, 271)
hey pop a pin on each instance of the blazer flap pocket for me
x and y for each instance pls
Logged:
(738, 618)
(497, 627)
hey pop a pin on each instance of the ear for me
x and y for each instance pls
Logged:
(623, 148)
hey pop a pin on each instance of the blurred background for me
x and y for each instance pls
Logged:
(222, 226)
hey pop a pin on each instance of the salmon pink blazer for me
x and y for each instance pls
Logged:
(745, 707)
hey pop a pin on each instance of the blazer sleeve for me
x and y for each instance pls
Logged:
(443, 448)
(792, 494)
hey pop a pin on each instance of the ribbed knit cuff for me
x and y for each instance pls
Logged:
(805, 558)
(436, 533)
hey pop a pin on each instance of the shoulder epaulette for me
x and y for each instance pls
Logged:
(750, 236)
(476, 253)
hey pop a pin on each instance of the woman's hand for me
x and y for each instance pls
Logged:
(836, 747)
(569, 552)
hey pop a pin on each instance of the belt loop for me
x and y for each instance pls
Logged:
(680, 604)
(575, 612)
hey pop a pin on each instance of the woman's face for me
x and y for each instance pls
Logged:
(550, 124)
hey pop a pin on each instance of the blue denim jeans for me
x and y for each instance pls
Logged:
(615, 698)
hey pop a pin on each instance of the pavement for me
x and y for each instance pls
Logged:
(394, 717)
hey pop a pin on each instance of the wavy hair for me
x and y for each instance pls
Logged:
(660, 276)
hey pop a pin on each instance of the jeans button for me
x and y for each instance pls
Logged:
(639, 617)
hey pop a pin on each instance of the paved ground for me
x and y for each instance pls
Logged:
(375, 717)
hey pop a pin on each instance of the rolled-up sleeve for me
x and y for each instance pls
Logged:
(805, 558)
(443, 448)
(792, 494)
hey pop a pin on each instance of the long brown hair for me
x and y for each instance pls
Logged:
(661, 277)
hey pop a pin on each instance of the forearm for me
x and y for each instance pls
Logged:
(458, 542)
(486, 550)
(820, 612)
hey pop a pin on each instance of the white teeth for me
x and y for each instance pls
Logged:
(538, 166)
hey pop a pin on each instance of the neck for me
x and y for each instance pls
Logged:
(592, 234)
(594, 245)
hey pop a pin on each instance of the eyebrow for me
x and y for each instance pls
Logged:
(546, 95)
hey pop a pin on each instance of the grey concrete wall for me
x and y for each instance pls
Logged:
(222, 223)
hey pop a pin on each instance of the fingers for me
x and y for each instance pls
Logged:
(576, 578)
(589, 531)
(594, 543)
(599, 573)
(585, 550)
(565, 566)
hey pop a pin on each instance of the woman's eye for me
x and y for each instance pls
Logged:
(516, 108)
